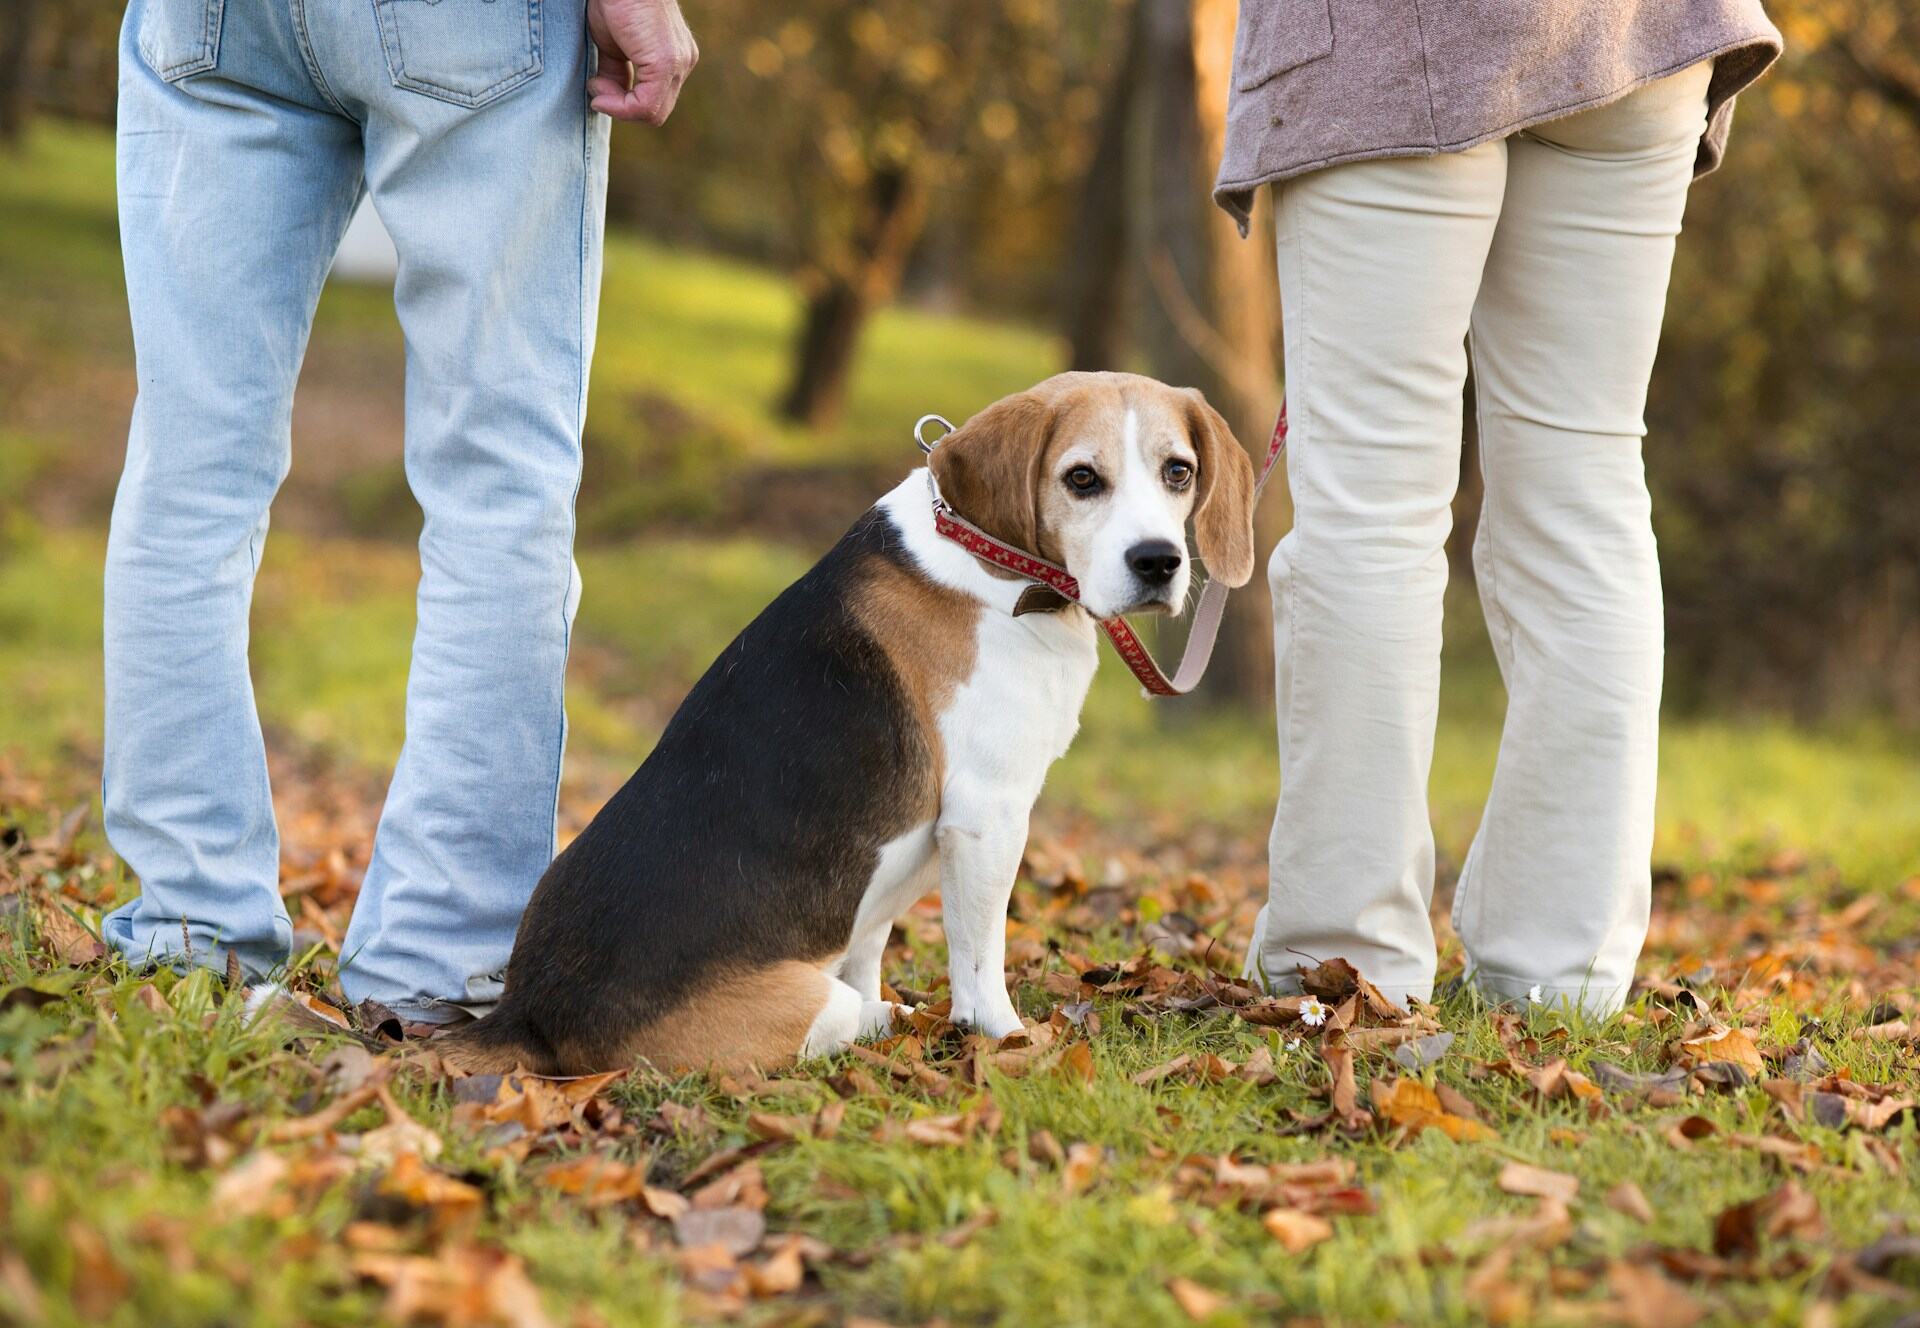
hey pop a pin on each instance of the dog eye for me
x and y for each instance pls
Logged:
(1083, 479)
(1179, 473)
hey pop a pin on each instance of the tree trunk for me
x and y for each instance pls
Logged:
(1091, 288)
(17, 20)
(1244, 304)
(838, 309)
(1211, 315)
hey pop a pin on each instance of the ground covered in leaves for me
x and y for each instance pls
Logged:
(1162, 1144)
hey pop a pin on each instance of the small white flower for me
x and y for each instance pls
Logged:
(1293, 1044)
(1312, 1012)
(1533, 994)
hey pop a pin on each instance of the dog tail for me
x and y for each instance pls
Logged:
(501, 1043)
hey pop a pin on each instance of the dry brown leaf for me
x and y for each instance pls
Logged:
(735, 1230)
(100, 1283)
(539, 1104)
(458, 1287)
(779, 1273)
(1538, 1182)
(1196, 1301)
(1259, 1069)
(1082, 1165)
(596, 1180)
(401, 1135)
(449, 1199)
(1731, 1045)
(1077, 1063)
(1491, 1290)
(1627, 1198)
(1043, 1147)
(1683, 1133)
(250, 1187)
(330, 1116)
(16, 1281)
(1413, 1106)
(1296, 1231)
(66, 939)
(1343, 1092)
(663, 1203)
(1163, 1070)
(1647, 1299)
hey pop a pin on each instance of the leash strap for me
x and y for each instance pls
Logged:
(1207, 614)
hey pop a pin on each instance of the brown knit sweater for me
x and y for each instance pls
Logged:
(1316, 82)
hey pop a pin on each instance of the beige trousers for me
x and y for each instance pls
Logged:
(1549, 251)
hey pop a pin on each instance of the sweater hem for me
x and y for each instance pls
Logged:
(1235, 197)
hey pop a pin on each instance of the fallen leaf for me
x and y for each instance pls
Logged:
(1162, 1071)
(1343, 1091)
(458, 1287)
(1081, 1166)
(1077, 1063)
(1418, 1054)
(1538, 1182)
(735, 1230)
(1413, 1106)
(414, 1183)
(781, 1272)
(68, 941)
(1615, 1079)
(1646, 1299)
(1295, 1230)
(596, 1180)
(1196, 1301)
(1684, 1132)
(250, 1186)
(1627, 1198)
(1494, 1293)
(1732, 1045)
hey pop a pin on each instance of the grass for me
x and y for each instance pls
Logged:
(115, 1217)
(130, 1106)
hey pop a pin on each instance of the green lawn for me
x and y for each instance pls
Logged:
(149, 1176)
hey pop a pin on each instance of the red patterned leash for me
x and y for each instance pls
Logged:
(1133, 652)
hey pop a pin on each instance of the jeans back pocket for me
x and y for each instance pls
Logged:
(468, 52)
(180, 37)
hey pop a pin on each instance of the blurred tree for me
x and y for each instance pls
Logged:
(18, 22)
(1785, 415)
(855, 120)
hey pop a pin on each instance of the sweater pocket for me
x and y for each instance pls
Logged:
(1274, 36)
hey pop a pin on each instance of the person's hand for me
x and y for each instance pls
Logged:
(646, 53)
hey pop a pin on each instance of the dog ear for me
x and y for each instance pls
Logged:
(988, 469)
(1223, 513)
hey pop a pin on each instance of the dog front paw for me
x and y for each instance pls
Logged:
(990, 1023)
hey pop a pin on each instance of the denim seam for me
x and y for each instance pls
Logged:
(579, 435)
(312, 60)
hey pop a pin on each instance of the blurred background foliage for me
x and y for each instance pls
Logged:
(1039, 166)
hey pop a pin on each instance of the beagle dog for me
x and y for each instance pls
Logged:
(880, 730)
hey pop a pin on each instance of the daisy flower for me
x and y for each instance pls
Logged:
(1533, 994)
(1312, 1012)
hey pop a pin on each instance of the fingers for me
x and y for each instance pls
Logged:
(645, 56)
(645, 103)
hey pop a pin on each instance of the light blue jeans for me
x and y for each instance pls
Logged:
(248, 132)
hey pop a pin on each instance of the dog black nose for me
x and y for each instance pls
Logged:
(1154, 561)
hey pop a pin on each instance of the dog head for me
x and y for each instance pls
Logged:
(1100, 473)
